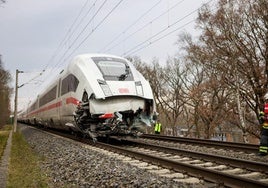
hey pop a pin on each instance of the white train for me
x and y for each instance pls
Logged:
(97, 95)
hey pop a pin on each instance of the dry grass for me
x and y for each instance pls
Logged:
(4, 133)
(24, 169)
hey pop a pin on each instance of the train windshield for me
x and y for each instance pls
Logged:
(114, 69)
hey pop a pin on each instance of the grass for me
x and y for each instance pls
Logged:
(4, 133)
(24, 168)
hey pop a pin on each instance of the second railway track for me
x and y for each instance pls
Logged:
(249, 148)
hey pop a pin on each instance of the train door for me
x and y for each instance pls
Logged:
(59, 102)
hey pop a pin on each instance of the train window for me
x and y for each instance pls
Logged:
(68, 84)
(49, 96)
(59, 87)
(113, 68)
(33, 106)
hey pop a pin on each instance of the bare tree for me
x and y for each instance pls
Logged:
(4, 95)
(233, 44)
(237, 36)
(2, 1)
(173, 96)
(226, 74)
(167, 85)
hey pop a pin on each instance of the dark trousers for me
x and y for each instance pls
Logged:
(264, 141)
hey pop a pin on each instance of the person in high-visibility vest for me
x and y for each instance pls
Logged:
(157, 127)
(263, 117)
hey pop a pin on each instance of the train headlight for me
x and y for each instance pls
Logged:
(139, 88)
(105, 88)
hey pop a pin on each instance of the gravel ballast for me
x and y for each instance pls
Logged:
(71, 164)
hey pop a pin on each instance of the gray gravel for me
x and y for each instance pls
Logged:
(68, 164)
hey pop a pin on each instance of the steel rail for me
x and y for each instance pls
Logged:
(207, 174)
(250, 165)
(252, 148)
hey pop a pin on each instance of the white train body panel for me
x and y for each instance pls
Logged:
(107, 106)
(105, 83)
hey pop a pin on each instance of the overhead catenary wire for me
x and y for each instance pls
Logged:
(77, 37)
(77, 21)
(130, 26)
(66, 35)
(136, 48)
(63, 57)
(66, 51)
(84, 28)
(32, 79)
(107, 15)
(145, 25)
(152, 42)
(83, 18)
(163, 30)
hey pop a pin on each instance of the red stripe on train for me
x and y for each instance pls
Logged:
(72, 100)
(69, 100)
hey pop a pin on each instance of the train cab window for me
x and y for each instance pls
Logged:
(68, 84)
(113, 68)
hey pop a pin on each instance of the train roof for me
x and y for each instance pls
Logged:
(98, 55)
(86, 56)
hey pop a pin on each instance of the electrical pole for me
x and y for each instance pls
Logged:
(16, 100)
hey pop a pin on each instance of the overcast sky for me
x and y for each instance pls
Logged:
(33, 33)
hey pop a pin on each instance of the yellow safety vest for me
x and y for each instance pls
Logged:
(157, 127)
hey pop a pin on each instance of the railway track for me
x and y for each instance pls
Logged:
(212, 168)
(248, 148)
(183, 166)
